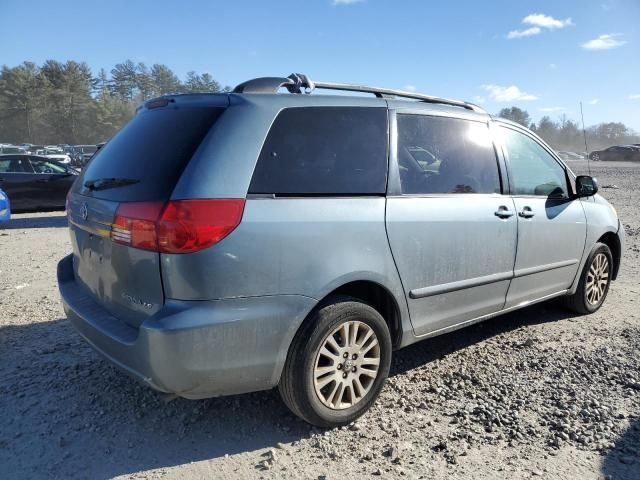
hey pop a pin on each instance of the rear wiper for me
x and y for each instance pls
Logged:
(105, 183)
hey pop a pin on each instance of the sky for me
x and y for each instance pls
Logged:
(544, 56)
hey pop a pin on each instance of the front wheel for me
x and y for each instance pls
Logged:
(594, 281)
(337, 363)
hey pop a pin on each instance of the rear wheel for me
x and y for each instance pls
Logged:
(337, 363)
(594, 281)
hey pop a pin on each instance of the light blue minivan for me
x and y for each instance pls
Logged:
(272, 237)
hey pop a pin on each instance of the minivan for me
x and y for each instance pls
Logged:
(277, 237)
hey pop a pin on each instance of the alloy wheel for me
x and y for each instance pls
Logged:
(597, 279)
(347, 365)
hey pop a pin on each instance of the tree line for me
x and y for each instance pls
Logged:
(57, 102)
(566, 134)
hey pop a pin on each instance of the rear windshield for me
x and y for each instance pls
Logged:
(152, 150)
(324, 151)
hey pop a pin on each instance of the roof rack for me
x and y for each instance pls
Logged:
(299, 83)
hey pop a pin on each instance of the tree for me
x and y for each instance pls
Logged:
(201, 83)
(164, 80)
(23, 90)
(144, 81)
(516, 115)
(124, 77)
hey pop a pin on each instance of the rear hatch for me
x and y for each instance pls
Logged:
(137, 169)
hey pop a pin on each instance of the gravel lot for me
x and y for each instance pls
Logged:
(536, 393)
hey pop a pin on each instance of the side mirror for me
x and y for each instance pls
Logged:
(586, 186)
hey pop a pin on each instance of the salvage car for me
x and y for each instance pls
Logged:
(616, 153)
(35, 183)
(243, 241)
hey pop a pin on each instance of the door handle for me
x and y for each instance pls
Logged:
(503, 212)
(526, 212)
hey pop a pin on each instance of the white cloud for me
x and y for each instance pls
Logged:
(346, 2)
(507, 94)
(593, 101)
(605, 42)
(546, 21)
(529, 32)
(635, 96)
(538, 21)
(410, 88)
(551, 109)
(479, 99)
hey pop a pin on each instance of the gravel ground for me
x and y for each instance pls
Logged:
(536, 393)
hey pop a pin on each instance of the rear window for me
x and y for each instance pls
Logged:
(324, 151)
(153, 148)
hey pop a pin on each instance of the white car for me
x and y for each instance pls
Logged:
(59, 157)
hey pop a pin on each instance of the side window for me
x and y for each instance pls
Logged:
(42, 166)
(534, 170)
(445, 155)
(14, 165)
(324, 151)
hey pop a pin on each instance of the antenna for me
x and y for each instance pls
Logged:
(586, 147)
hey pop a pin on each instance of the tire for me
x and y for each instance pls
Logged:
(585, 301)
(307, 369)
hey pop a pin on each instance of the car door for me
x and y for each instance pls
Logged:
(17, 180)
(53, 181)
(551, 221)
(451, 230)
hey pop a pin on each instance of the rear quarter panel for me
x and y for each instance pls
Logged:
(291, 246)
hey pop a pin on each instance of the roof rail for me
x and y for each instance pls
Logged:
(298, 83)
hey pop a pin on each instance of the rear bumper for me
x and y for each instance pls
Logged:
(195, 349)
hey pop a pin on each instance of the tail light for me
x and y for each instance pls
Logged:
(180, 226)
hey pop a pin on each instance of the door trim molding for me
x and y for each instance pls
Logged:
(487, 279)
(523, 272)
(459, 285)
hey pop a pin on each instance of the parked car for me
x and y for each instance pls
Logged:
(35, 183)
(83, 154)
(616, 153)
(5, 207)
(11, 149)
(59, 157)
(570, 156)
(262, 239)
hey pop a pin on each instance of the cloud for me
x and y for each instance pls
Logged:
(634, 96)
(479, 99)
(410, 88)
(551, 109)
(545, 21)
(593, 101)
(538, 22)
(529, 32)
(512, 93)
(605, 42)
(346, 2)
